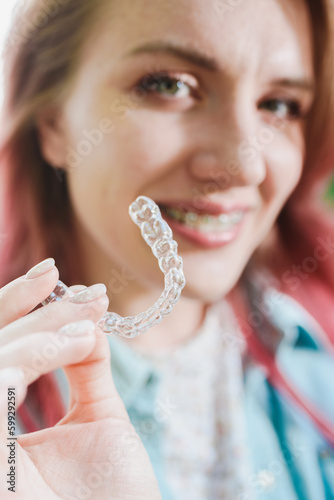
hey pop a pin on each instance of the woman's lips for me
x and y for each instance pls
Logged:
(207, 230)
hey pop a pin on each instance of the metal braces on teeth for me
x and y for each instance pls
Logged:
(194, 218)
(146, 214)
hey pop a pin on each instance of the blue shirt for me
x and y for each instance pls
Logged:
(284, 441)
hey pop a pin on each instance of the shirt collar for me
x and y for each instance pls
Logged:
(131, 372)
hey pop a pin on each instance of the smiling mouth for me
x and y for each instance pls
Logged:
(204, 223)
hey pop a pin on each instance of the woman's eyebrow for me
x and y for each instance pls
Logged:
(187, 54)
(202, 60)
(299, 83)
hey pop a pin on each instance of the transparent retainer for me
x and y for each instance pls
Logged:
(154, 229)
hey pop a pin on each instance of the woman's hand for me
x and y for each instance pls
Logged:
(93, 452)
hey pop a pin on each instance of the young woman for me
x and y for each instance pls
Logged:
(217, 111)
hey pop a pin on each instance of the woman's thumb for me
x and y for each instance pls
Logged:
(93, 395)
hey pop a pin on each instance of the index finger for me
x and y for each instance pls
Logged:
(22, 295)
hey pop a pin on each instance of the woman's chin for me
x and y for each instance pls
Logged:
(212, 282)
(207, 292)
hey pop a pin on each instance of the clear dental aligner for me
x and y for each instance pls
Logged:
(154, 229)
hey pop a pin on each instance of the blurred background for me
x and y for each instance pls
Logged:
(6, 10)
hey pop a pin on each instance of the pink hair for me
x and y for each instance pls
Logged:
(305, 257)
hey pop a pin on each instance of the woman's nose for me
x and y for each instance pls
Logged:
(231, 154)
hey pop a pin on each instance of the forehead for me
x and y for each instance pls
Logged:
(259, 35)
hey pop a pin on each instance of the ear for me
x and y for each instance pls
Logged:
(51, 137)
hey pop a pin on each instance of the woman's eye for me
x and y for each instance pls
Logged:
(283, 108)
(169, 86)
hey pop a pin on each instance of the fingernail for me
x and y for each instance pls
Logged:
(78, 328)
(77, 288)
(41, 268)
(11, 377)
(91, 293)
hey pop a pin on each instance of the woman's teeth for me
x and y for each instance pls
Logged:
(205, 223)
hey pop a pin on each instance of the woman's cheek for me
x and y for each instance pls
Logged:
(147, 140)
(284, 168)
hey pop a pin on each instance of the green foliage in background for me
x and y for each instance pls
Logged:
(329, 194)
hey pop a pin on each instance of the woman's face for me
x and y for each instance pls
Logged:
(200, 106)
